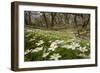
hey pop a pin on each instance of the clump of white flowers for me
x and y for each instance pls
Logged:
(83, 49)
(49, 48)
(72, 45)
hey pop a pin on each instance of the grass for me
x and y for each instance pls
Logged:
(63, 35)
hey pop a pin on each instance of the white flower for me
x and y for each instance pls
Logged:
(75, 44)
(65, 46)
(83, 49)
(34, 50)
(88, 44)
(50, 41)
(40, 42)
(69, 47)
(27, 51)
(32, 39)
(83, 55)
(59, 41)
(72, 47)
(55, 56)
(45, 54)
(37, 49)
(52, 49)
(53, 45)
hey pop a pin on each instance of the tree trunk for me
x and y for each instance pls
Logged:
(45, 20)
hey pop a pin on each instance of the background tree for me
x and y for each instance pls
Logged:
(27, 17)
(78, 23)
